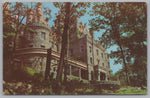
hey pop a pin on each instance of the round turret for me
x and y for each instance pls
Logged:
(38, 36)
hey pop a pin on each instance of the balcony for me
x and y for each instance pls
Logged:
(55, 55)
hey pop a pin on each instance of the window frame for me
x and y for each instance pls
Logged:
(43, 35)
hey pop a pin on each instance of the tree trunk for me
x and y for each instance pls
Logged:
(64, 42)
(67, 57)
(117, 37)
(48, 63)
(126, 69)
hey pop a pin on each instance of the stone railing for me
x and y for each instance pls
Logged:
(70, 60)
(109, 82)
(105, 82)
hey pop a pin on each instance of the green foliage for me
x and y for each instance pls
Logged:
(65, 20)
(24, 88)
(130, 91)
(89, 90)
(125, 26)
(31, 71)
(78, 32)
(16, 72)
(72, 87)
(8, 37)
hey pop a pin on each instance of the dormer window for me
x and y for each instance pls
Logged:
(43, 35)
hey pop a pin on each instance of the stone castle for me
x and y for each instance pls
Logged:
(88, 59)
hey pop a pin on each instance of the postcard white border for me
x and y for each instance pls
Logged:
(73, 96)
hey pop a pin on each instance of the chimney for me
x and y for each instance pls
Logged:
(92, 33)
(76, 22)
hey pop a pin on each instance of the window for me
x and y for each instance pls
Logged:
(42, 46)
(43, 35)
(81, 48)
(52, 45)
(57, 48)
(98, 61)
(54, 69)
(30, 36)
(91, 60)
(30, 45)
(108, 65)
(107, 56)
(71, 52)
(102, 55)
(90, 49)
(109, 72)
(103, 64)
(97, 51)
(38, 18)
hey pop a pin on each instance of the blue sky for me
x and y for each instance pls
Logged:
(84, 19)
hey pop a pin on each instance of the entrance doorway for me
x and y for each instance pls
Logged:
(103, 76)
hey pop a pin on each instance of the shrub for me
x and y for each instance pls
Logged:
(131, 90)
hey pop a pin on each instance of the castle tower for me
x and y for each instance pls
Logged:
(36, 38)
(6, 9)
(37, 35)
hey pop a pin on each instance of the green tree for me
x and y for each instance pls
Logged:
(14, 15)
(64, 41)
(76, 10)
(118, 20)
(8, 38)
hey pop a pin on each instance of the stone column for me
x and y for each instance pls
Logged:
(44, 62)
(43, 68)
(34, 62)
(63, 73)
(80, 74)
(106, 78)
(89, 75)
(99, 76)
(37, 64)
(70, 70)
